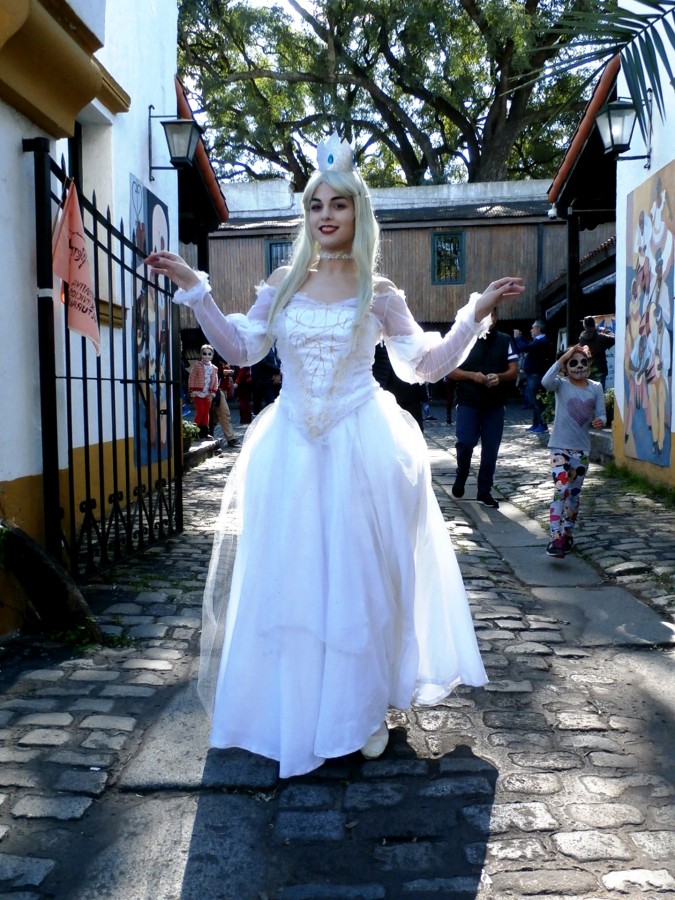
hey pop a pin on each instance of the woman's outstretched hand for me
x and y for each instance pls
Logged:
(497, 292)
(172, 266)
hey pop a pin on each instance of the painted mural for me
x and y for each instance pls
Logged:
(648, 388)
(151, 229)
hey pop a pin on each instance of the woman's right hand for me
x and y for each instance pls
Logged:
(174, 267)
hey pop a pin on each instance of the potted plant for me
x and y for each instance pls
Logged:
(609, 406)
(547, 398)
(190, 432)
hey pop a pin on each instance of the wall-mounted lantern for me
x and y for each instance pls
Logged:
(616, 123)
(182, 137)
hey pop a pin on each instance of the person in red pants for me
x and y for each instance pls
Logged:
(203, 384)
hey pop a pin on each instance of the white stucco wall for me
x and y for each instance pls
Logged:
(274, 196)
(19, 405)
(92, 13)
(140, 54)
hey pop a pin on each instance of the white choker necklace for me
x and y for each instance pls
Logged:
(326, 254)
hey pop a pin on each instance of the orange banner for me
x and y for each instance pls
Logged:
(71, 265)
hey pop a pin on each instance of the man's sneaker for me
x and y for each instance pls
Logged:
(487, 500)
(569, 544)
(556, 548)
(457, 490)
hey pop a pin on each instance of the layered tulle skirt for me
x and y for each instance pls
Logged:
(333, 592)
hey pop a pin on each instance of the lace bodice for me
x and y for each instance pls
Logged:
(327, 366)
(326, 360)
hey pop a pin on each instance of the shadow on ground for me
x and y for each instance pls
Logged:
(396, 826)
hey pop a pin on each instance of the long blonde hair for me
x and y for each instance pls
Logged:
(365, 247)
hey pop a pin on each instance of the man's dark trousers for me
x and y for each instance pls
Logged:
(473, 424)
(533, 383)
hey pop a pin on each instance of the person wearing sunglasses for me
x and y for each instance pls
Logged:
(203, 384)
(579, 405)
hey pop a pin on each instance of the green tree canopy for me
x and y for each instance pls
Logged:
(427, 91)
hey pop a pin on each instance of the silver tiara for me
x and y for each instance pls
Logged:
(334, 154)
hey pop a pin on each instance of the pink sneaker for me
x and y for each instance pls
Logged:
(556, 548)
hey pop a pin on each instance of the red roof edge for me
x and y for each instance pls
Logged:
(202, 158)
(584, 128)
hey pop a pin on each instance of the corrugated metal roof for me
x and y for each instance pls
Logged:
(516, 209)
(421, 216)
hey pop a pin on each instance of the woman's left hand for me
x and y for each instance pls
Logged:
(497, 292)
(174, 267)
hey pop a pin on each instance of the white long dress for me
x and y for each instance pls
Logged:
(333, 592)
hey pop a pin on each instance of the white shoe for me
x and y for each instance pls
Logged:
(376, 743)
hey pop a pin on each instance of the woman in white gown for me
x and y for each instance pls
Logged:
(333, 591)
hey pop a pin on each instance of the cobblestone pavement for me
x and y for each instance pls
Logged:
(628, 536)
(555, 781)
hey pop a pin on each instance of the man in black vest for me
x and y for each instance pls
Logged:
(481, 395)
(408, 396)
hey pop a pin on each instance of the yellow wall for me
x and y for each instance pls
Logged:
(13, 604)
(664, 475)
(21, 503)
(48, 70)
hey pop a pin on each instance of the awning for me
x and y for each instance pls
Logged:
(600, 283)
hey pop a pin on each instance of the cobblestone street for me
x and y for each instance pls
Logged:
(555, 781)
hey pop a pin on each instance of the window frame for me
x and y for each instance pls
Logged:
(270, 242)
(435, 238)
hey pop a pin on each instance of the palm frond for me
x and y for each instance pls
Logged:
(596, 37)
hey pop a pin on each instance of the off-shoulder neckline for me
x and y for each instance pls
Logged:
(377, 295)
(328, 303)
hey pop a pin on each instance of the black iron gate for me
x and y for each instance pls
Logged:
(111, 424)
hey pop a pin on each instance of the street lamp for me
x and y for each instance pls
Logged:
(616, 123)
(182, 137)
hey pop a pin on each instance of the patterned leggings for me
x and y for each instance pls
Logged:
(568, 468)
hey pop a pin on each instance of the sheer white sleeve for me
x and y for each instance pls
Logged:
(418, 355)
(240, 339)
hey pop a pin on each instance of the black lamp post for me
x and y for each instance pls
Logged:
(616, 123)
(182, 137)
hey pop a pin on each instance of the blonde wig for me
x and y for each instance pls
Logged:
(365, 247)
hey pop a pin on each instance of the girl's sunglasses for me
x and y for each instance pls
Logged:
(578, 363)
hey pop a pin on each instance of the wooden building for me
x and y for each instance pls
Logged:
(438, 252)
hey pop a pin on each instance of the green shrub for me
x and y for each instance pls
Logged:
(190, 430)
(609, 405)
(548, 400)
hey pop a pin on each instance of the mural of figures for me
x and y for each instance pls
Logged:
(648, 376)
(158, 218)
(151, 228)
